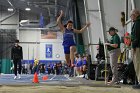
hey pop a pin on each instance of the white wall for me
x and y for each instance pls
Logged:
(112, 13)
(137, 4)
(28, 39)
(11, 22)
(113, 9)
(31, 49)
(57, 49)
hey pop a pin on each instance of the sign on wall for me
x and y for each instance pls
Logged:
(48, 50)
(48, 35)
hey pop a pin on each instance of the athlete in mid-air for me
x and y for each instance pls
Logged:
(69, 43)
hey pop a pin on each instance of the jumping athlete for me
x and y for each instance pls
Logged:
(68, 39)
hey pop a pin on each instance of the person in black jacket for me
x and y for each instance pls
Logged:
(17, 56)
(135, 37)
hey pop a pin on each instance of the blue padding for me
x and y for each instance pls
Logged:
(40, 61)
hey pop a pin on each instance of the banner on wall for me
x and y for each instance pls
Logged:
(46, 34)
(48, 50)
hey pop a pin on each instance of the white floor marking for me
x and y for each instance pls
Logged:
(53, 77)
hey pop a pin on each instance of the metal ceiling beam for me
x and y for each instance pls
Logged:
(56, 8)
(68, 8)
(22, 6)
(51, 7)
(8, 16)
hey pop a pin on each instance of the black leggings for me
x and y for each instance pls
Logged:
(17, 62)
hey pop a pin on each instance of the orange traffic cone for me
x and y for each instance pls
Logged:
(45, 78)
(35, 79)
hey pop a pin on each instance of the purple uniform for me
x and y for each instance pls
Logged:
(68, 40)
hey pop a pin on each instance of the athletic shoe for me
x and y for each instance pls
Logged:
(15, 77)
(19, 76)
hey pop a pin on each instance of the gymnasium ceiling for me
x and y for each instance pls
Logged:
(46, 7)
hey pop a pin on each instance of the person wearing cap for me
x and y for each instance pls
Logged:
(17, 56)
(114, 51)
(135, 38)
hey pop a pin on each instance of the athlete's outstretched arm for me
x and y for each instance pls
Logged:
(83, 29)
(59, 21)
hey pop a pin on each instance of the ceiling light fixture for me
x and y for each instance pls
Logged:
(27, 9)
(10, 9)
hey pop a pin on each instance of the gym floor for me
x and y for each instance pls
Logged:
(59, 84)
